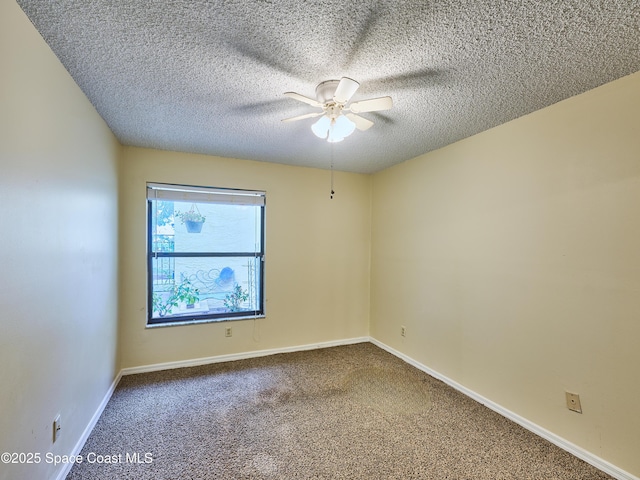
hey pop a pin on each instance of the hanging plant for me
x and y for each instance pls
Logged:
(192, 219)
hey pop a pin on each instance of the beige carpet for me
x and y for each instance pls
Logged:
(353, 412)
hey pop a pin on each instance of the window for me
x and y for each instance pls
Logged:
(205, 257)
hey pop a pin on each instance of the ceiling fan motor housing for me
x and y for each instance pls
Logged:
(326, 90)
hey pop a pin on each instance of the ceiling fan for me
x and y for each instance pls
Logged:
(339, 120)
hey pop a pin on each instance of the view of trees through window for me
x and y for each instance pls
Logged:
(205, 257)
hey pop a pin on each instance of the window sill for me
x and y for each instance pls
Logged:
(180, 323)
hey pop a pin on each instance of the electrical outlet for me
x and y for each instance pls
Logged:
(403, 331)
(228, 332)
(573, 402)
(56, 428)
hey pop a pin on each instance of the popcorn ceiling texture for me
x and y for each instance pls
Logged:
(209, 76)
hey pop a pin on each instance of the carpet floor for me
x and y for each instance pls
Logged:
(352, 412)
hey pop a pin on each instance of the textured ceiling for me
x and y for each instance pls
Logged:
(209, 76)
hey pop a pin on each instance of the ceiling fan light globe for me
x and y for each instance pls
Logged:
(342, 127)
(321, 128)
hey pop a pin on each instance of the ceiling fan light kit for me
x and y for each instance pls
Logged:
(333, 129)
(338, 119)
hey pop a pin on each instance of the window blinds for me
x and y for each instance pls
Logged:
(179, 193)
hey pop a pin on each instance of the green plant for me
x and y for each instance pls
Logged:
(163, 307)
(186, 292)
(234, 299)
(193, 215)
(157, 301)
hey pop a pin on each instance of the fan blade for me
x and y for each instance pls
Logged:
(302, 98)
(345, 90)
(371, 105)
(302, 117)
(362, 123)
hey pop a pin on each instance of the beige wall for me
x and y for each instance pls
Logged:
(58, 250)
(513, 259)
(317, 257)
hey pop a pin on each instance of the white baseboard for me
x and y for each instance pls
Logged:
(89, 428)
(239, 356)
(573, 449)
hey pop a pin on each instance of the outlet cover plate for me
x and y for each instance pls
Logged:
(573, 402)
(56, 428)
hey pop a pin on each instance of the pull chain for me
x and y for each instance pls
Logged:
(332, 192)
